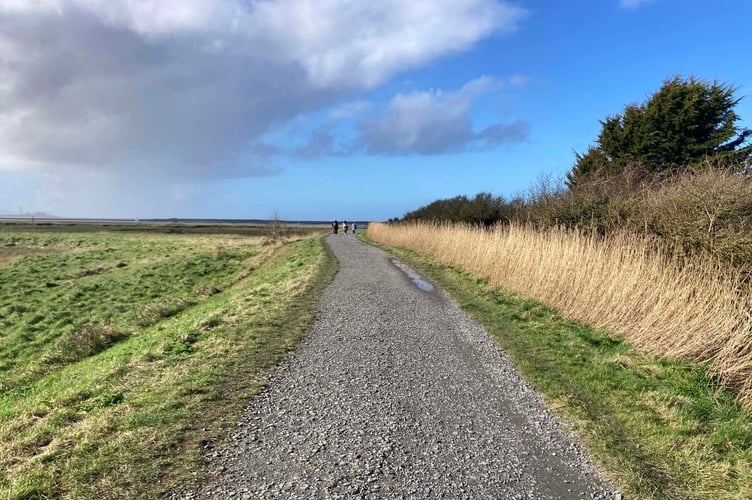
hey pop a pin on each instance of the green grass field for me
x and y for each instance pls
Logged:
(123, 351)
(658, 429)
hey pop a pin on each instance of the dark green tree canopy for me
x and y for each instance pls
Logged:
(685, 122)
(484, 209)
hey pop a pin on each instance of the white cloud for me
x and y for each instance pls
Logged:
(436, 122)
(364, 43)
(187, 87)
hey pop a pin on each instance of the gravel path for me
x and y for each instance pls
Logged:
(395, 393)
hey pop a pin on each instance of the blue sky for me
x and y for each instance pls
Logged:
(321, 109)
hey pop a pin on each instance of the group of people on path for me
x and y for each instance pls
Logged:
(345, 227)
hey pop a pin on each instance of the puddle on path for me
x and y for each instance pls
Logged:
(414, 276)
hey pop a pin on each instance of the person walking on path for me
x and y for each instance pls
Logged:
(355, 228)
(335, 226)
(346, 226)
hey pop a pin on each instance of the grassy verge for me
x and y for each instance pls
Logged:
(122, 356)
(658, 429)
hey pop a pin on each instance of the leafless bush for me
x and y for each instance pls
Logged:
(601, 203)
(274, 230)
(709, 211)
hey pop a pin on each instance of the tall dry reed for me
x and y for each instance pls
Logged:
(623, 284)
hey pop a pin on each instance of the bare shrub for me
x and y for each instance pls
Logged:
(710, 211)
(601, 202)
(706, 213)
(274, 230)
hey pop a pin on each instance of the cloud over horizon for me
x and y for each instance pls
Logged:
(426, 123)
(436, 122)
(187, 89)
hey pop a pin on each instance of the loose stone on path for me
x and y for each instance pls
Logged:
(396, 393)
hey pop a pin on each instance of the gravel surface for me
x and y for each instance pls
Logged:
(396, 393)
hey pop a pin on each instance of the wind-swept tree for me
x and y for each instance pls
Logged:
(685, 122)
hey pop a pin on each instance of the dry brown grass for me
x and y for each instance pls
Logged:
(623, 284)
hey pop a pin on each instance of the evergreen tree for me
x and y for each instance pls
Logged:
(684, 123)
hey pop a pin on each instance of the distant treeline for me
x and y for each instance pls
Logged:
(676, 167)
(484, 209)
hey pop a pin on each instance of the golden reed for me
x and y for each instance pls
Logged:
(622, 284)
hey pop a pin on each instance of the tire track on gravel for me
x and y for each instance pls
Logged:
(396, 393)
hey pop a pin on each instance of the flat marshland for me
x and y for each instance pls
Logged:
(124, 348)
(649, 359)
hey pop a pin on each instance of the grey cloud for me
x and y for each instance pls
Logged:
(321, 143)
(385, 136)
(261, 149)
(436, 122)
(104, 97)
(439, 137)
(128, 87)
(420, 123)
(499, 133)
(324, 142)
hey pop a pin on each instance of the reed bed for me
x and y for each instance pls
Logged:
(623, 283)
